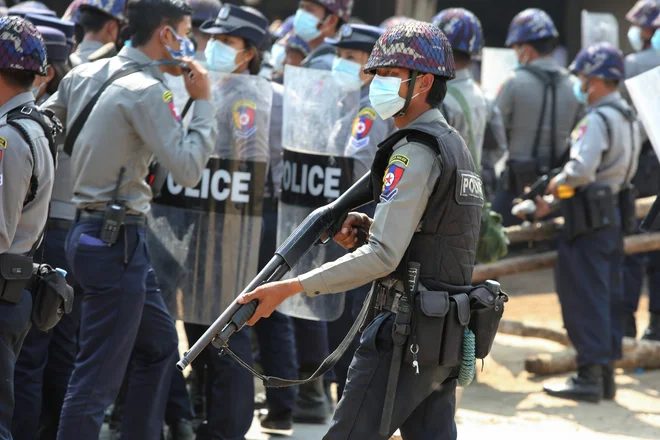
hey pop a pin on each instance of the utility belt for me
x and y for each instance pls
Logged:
(113, 219)
(52, 297)
(438, 321)
(591, 209)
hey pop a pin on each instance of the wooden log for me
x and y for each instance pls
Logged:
(636, 354)
(533, 331)
(545, 230)
(634, 244)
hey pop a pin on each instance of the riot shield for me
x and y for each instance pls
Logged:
(496, 64)
(319, 112)
(204, 241)
(644, 91)
(599, 27)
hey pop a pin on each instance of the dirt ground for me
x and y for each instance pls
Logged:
(510, 401)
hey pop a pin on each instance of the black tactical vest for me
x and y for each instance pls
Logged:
(446, 244)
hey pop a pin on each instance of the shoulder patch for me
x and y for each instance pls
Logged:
(167, 99)
(391, 178)
(362, 126)
(244, 117)
(578, 132)
(469, 189)
(400, 158)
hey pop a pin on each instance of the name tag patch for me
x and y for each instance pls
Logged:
(469, 189)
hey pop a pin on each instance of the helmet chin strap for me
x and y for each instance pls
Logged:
(411, 88)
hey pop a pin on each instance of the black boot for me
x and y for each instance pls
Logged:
(652, 333)
(587, 385)
(312, 403)
(629, 325)
(609, 385)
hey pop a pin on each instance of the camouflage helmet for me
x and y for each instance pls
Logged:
(72, 12)
(416, 46)
(114, 8)
(600, 60)
(462, 28)
(644, 13)
(530, 25)
(21, 46)
(393, 21)
(341, 8)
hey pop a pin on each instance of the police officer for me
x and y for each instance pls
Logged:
(537, 105)
(123, 308)
(101, 21)
(316, 20)
(354, 45)
(46, 361)
(463, 30)
(412, 62)
(603, 157)
(643, 18)
(237, 38)
(24, 169)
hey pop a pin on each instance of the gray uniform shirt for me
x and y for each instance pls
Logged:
(133, 120)
(20, 225)
(61, 206)
(369, 130)
(395, 222)
(464, 88)
(520, 100)
(594, 157)
(455, 116)
(495, 144)
(83, 51)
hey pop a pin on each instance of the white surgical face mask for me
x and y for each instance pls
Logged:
(221, 57)
(384, 95)
(347, 70)
(278, 54)
(306, 25)
(635, 38)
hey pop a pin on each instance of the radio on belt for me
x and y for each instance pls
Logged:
(114, 216)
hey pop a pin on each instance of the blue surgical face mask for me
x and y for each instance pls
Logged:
(655, 41)
(186, 47)
(278, 54)
(635, 38)
(305, 25)
(221, 57)
(384, 95)
(582, 97)
(349, 69)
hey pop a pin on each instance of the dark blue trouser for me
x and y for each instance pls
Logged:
(123, 316)
(634, 268)
(504, 202)
(178, 400)
(14, 325)
(424, 405)
(590, 288)
(46, 361)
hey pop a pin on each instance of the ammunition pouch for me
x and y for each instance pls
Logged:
(52, 297)
(591, 208)
(439, 322)
(15, 272)
(519, 174)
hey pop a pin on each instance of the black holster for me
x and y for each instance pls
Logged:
(15, 272)
(591, 208)
(627, 198)
(52, 297)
